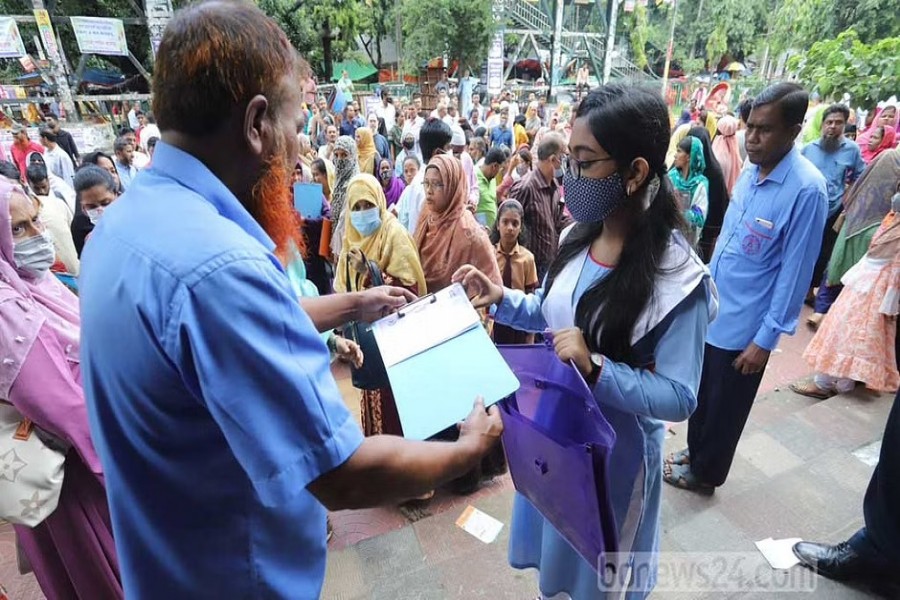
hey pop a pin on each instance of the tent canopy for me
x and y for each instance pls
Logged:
(357, 71)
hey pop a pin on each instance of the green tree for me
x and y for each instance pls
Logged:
(867, 72)
(461, 28)
(798, 24)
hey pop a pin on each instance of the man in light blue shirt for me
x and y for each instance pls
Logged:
(124, 163)
(762, 262)
(222, 433)
(840, 161)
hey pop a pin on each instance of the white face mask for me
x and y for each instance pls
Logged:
(35, 255)
(94, 214)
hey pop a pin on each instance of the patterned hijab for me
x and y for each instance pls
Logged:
(696, 167)
(452, 238)
(27, 304)
(869, 199)
(345, 169)
(390, 245)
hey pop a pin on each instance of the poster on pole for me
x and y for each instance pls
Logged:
(97, 35)
(159, 12)
(494, 76)
(11, 44)
(42, 18)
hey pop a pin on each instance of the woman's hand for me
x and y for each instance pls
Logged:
(569, 345)
(355, 257)
(481, 290)
(348, 351)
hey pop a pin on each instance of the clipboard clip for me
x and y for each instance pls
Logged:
(426, 300)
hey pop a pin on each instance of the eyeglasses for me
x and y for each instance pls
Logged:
(576, 166)
(431, 185)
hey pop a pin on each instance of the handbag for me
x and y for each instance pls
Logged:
(31, 472)
(558, 445)
(325, 239)
(372, 375)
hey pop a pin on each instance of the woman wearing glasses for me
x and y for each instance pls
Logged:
(628, 302)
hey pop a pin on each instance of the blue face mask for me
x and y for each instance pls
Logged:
(591, 200)
(366, 222)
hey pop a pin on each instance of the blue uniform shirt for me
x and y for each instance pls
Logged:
(766, 252)
(211, 401)
(839, 167)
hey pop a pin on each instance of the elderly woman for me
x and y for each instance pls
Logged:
(372, 231)
(71, 550)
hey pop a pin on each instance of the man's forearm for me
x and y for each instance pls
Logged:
(328, 312)
(389, 470)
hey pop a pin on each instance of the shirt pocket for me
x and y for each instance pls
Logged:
(758, 237)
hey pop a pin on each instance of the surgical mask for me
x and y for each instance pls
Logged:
(35, 255)
(94, 214)
(895, 202)
(558, 172)
(366, 222)
(591, 200)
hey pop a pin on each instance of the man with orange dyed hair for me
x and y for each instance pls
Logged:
(221, 430)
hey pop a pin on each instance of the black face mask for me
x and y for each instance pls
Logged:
(409, 145)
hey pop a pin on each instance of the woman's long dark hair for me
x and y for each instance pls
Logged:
(718, 193)
(629, 123)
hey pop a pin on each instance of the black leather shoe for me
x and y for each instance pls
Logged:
(841, 562)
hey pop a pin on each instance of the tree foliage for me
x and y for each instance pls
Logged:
(798, 24)
(868, 72)
(461, 28)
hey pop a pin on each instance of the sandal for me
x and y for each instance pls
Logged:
(682, 477)
(810, 389)
(682, 457)
(814, 320)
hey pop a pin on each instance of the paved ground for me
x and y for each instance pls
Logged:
(801, 471)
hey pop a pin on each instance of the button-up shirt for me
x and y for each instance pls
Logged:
(841, 166)
(211, 400)
(544, 217)
(126, 173)
(766, 252)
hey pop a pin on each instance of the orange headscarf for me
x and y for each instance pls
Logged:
(452, 238)
(365, 144)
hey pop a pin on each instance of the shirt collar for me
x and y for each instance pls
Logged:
(514, 252)
(194, 175)
(779, 173)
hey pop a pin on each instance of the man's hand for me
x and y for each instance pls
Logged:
(348, 351)
(377, 302)
(481, 428)
(752, 360)
(569, 345)
(482, 291)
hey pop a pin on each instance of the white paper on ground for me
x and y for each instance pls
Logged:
(779, 553)
(480, 524)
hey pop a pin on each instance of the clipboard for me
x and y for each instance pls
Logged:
(308, 200)
(438, 359)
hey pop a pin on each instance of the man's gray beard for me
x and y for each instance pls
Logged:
(831, 144)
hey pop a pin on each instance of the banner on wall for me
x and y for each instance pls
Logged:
(98, 35)
(11, 44)
(159, 12)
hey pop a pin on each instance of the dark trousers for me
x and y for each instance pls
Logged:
(881, 506)
(723, 405)
(826, 295)
(829, 237)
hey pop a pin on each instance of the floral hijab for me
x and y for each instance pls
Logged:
(345, 169)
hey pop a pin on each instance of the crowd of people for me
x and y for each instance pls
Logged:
(171, 319)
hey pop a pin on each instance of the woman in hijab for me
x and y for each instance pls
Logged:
(368, 155)
(886, 116)
(323, 173)
(72, 550)
(375, 233)
(691, 186)
(725, 149)
(346, 167)
(718, 195)
(532, 121)
(679, 134)
(448, 236)
(865, 205)
(883, 138)
(392, 185)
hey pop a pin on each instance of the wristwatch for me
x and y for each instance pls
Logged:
(596, 368)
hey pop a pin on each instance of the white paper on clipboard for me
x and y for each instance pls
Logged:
(424, 324)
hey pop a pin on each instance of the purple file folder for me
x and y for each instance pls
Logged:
(557, 445)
